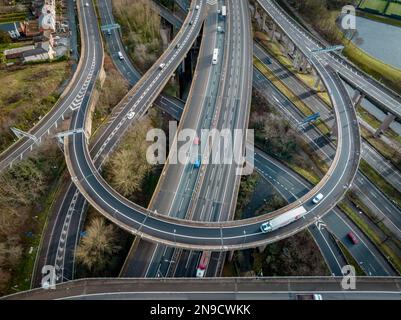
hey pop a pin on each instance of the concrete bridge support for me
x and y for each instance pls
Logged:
(230, 256)
(385, 124)
(357, 98)
(317, 83)
(262, 248)
(334, 131)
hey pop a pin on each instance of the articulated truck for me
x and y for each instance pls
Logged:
(283, 219)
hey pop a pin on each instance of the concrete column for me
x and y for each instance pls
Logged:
(183, 65)
(357, 98)
(334, 131)
(262, 248)
(304, 64)
(297, 60)
(264, 21)
(230, 256)
(317, 83)
(273, 32)
(385, 124)
(256, 10)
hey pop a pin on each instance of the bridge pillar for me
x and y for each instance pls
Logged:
(262, 248)
(264, 22)
(230, 256)
(297, 60)
(357, 98)
(317, 83)
(273, 32)
(305, 66)
(255, 12)
(385, 125)
(334, 131)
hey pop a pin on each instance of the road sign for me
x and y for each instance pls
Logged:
(328, 49)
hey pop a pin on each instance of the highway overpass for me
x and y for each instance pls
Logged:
(370, 288)
(216, 236)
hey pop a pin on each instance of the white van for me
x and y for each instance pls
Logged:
(120, 55)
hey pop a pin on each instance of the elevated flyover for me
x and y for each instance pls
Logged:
(285, 288)
(216, 236)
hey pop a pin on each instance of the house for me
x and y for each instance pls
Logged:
(30, 28)
(12, 29)
(42, 51)
(47, 21)
(17, 52)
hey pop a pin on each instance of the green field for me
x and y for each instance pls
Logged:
(376, 5)
(394, 8)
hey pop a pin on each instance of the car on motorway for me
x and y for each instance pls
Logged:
(196, 140)
(131, 115)
(120, 55)
(162, 65)
(197, 7)
(315, 296)
(86, 4)
(178, 45)
(109, 32)
(190, 23)
(197, 163)
(352, 237)
(317, 199)
(265, 227)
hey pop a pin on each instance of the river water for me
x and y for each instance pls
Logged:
(380, 40)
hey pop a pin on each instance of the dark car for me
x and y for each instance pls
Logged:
(353, 238)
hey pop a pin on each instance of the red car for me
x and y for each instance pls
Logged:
(196, 141)
(353, 238)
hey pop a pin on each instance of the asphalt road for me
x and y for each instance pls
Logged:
(155, 227)
(366, 190)
(217, 288)
(63, 232)
(173, 192)
(387, 100)
(221, 236)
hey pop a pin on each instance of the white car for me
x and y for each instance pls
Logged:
(200, 273)
(265, 227)
(317, 199)
(131, 115)
(86, 4)
(197, 7)
(120, 55)
(162, 65)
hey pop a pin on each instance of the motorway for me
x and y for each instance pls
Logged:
(367, 191)
(117, 48)
(370, 288)
(212, 197)
(218, 236)
(60, 239)
(388, 100)
(173, 192)
(377, 161)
